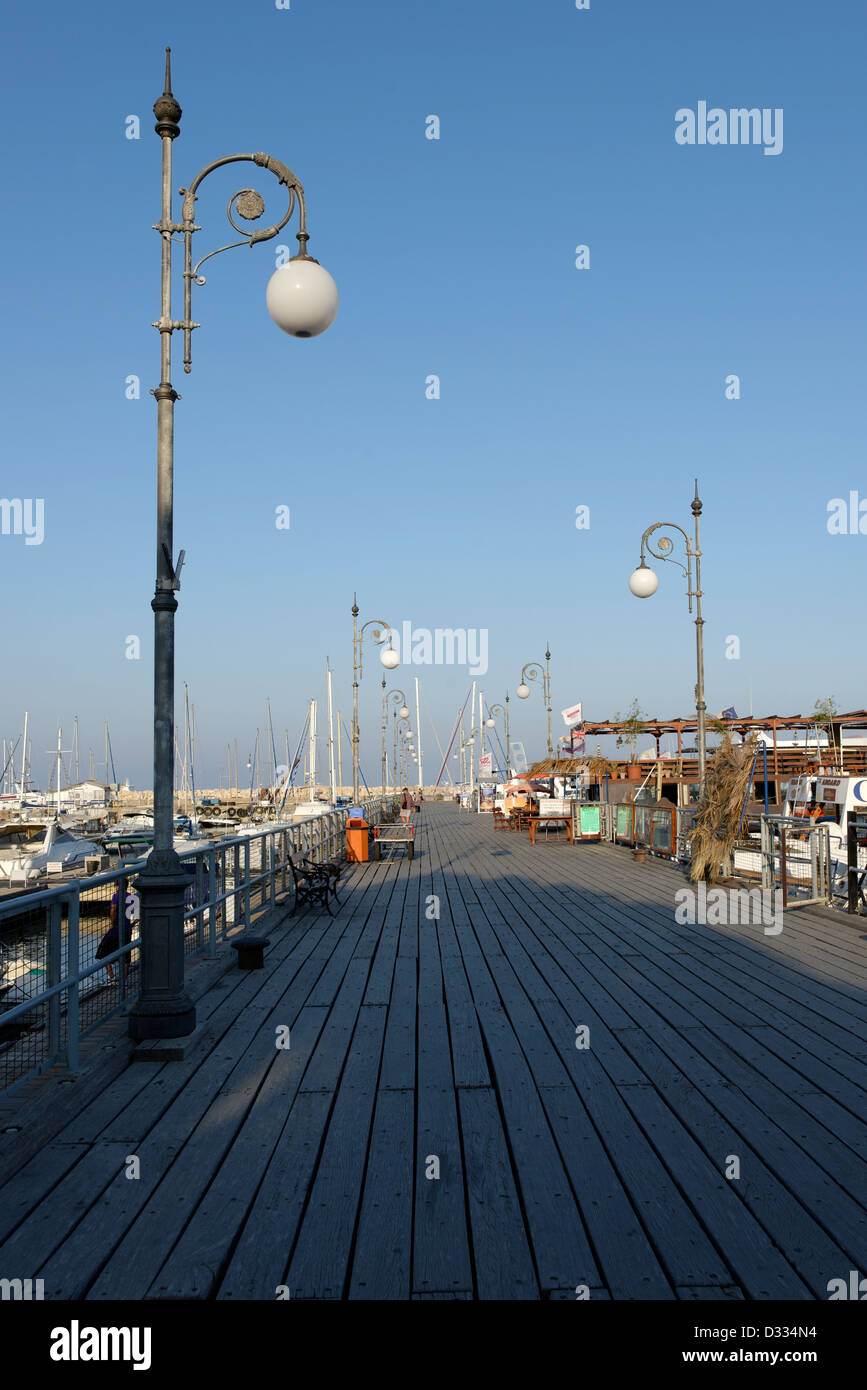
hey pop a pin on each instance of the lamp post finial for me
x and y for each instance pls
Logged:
(166, 109)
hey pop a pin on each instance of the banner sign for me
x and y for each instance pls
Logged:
(485, 763)
(572, 715)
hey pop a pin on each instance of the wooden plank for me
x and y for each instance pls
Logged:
(382, 1264)
(398, 1057)
(504, 1265)
(630, 1266)
(759, 1267)
(192, 1269)
(30, 1249)
(561, 1249)
(441, 1255)
(177, 1151)
(258, 1262)
(33, 1184)
(321, 1258)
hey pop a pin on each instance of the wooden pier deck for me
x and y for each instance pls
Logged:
(434, 1132)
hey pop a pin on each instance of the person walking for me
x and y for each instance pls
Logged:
(407, 805)
(114, 938)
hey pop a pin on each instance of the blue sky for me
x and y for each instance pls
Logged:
(454, 257)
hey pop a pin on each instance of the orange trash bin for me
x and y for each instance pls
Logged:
(356, 841)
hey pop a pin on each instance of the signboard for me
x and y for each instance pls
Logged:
(572, 715)
(485, 767)
(588, 817)
(577, 742)
(519, 758)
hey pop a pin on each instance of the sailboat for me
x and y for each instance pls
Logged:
(319, 806)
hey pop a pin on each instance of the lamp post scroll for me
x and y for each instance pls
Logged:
(389, 659)
(643, 583)
(535, 671)
(493, 711)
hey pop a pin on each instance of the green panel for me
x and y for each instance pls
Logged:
(624, 820)
(589, 816)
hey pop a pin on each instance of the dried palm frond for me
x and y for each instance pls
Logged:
(716, 824)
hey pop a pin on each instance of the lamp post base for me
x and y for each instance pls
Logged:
(151, 1020)
(163, 1009)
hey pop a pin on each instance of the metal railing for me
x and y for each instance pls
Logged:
(60, 977)
(666, 830)
(795, 861)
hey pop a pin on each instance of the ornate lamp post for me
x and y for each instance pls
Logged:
(389, 659)
(534, 671)
(643, 582)
(302, 299)
(493, 711)
(401, 728)
(398, 697)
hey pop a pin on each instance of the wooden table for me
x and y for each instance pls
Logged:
(536, 821)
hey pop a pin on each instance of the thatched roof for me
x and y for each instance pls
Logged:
(559, 767)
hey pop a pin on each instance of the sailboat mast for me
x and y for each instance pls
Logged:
(418, 735)
(312, 749)
(330, 738)
(339, 756)
(75, 747)
(23, 763)
(272, 760)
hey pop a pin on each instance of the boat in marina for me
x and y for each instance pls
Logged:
(60, 852)
(822, 799)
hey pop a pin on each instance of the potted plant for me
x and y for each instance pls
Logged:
(824, 714)
(632, 725)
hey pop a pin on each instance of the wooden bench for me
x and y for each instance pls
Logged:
(550, 820)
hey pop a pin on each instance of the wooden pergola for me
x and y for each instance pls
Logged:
(743, 725)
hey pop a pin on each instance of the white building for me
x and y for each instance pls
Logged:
(85, 794)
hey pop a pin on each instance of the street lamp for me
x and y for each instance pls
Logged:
(389, 659)
(303, 302)
(643, 582)
(398, 697)
(404, 715)
(493, 711)
(534, 671)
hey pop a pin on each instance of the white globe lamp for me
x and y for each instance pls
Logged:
(302, 298)
(523, 691)
(390, 659)
(643, 582)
